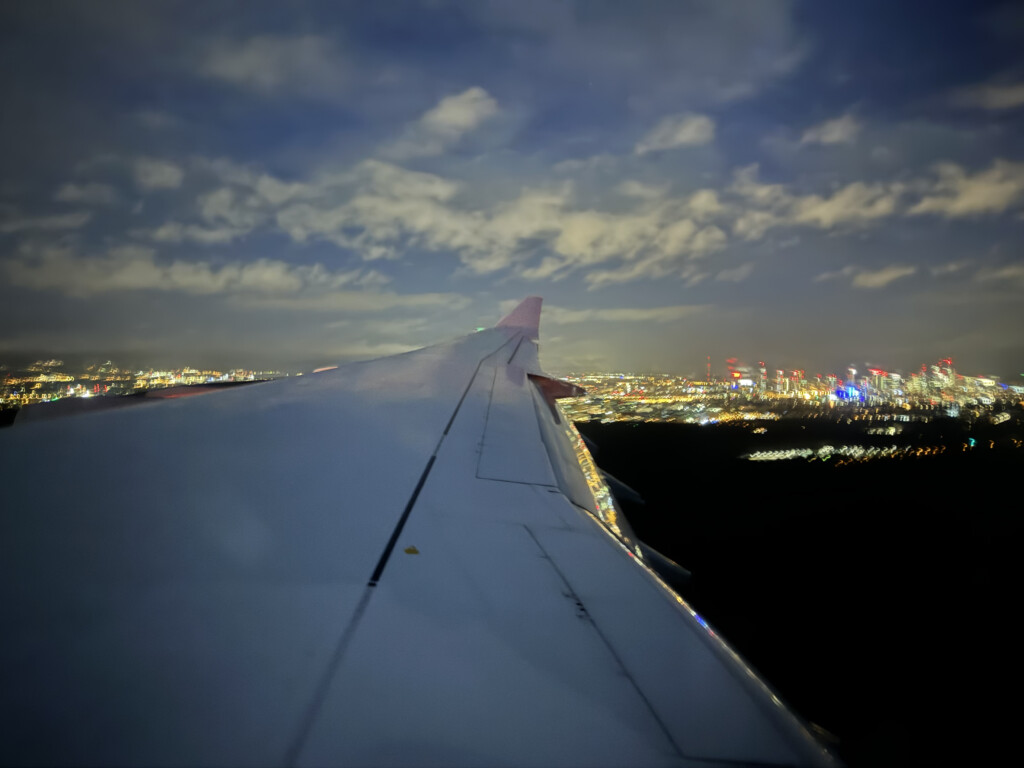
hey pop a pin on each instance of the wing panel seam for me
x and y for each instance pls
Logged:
(390, 546)
(320, 694)
(618, 659)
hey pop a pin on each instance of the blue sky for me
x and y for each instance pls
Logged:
(813, 184)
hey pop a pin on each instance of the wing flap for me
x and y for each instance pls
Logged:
(511, 433)
(472, 650)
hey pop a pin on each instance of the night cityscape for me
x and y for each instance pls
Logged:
(610, 396)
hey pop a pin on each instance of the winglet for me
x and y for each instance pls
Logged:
(526, 315)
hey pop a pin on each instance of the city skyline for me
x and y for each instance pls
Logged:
(290, 186)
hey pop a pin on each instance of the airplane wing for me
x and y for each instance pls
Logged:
(407, 561)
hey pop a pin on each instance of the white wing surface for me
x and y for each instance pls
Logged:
(398, 562)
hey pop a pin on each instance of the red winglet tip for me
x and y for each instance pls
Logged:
(525, 315)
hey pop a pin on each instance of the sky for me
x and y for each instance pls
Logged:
(811, 184)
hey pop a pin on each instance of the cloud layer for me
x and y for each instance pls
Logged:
(420, 167)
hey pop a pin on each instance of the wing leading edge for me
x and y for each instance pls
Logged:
(398, 562)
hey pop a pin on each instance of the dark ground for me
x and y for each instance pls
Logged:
(880, 599)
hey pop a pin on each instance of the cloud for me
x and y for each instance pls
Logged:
(89, 194)
(880, 278)
(387, 208)
(135, 268)
(854, 203)
(648, 245)
(246, 201)
(1013, 273)
(673, 131)
(224, 206)
(746, 185)
(736, 274)
(305, 65)
(753, 225)
(990, 96)
(704, 204)
(60, 221)
(445, 124)
(844, 272)
(353, 301)
(564, 316)
(381, 210)
(600, 162)
(955, 193)
(840, 130)
(863, 278)
(949, 268)
(771, 205)
(176, 232)
(153, 174)
(642, 191)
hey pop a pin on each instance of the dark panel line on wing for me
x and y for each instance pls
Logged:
(608, 645)
(514, 351)
(390, 546)
(320, 694)
(465, 392)
(487, 419)
(322, 688)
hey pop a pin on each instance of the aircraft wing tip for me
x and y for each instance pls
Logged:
(525, 315)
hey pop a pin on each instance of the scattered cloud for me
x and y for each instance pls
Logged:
(176, 232)
(387, 209)
(353, 301)
(949, 268)
(150, 174)
(307, 65)
(956, 193)
(704, 204)
(1012, 273)
(839, 130)
(854, 203)
(381, 210)
(563, 316)
(990, 96)
(880, 278)
(683, 130)
(868, 279)
(844, 272)
(134, 268)
(92, 193)
(604, 161)
(224, 206)
(736, 274)
(445, 124)
(643, 191)
(771, 205)
(865, 278)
